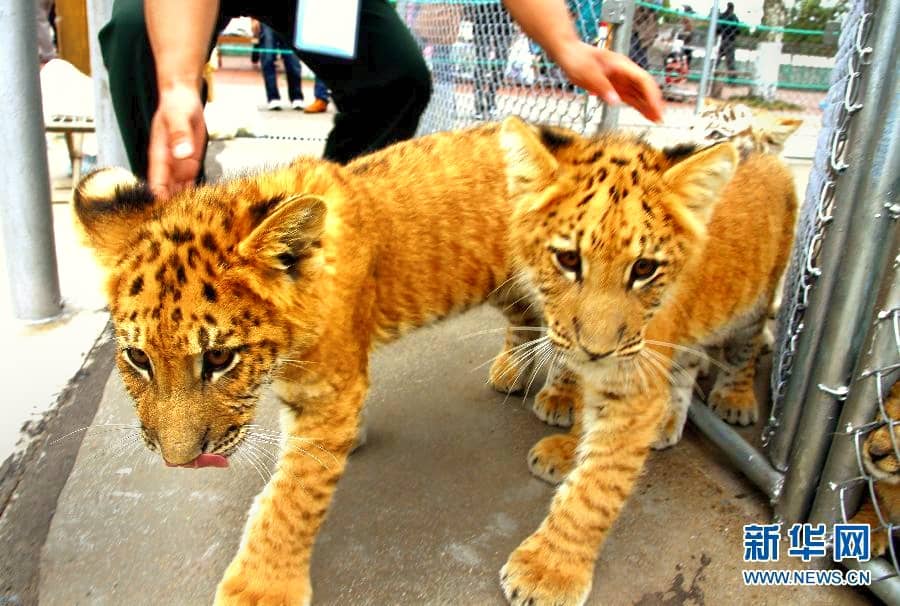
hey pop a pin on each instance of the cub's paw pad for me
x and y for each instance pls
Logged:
(555, 405)
(508, 374)
(530, 579)
(737, 407)
(553, 457)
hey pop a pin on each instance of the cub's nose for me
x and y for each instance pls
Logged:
(181, 448)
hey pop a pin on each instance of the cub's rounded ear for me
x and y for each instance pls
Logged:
(699, 178)
(529, 164)
(110, 204)
(289, 233)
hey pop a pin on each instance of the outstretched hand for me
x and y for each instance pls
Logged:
(177, 141)
(612, 77)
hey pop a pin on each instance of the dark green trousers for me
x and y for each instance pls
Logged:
(379, 95)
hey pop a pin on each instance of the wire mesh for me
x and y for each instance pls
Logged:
(877, 448)
(841, 103)
(484, 67)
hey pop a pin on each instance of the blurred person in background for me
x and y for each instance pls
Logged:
(728, 29)
(271, 46)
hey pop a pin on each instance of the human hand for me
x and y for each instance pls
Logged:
(612, 77)
(177, 140)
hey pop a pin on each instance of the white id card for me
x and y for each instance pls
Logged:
(327, 27)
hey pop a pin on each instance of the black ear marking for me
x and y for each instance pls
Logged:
(93, 197)
(261, 209)
(679, 152)
(554, 139)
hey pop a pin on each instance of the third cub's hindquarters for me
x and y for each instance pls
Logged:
(629, 247)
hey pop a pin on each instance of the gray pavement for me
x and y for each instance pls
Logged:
(427, 513)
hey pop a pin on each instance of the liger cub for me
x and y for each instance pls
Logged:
(639, 258)
(291, 277)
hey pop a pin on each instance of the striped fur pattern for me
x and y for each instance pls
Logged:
(750, 132)
(880, 460)
(290, 278)
(638, 256)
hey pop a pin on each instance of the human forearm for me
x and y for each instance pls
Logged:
(547, 22)
(179, 34)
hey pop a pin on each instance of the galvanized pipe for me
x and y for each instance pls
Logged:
(888, 589)
(880, 347)
(834, 247)
(25, 214)
(708, 58)
(742, 455)
(621, 44)
(847, 278)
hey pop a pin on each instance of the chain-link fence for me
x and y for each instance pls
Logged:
(484, 67)
(776, 68)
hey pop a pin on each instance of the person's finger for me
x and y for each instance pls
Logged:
(182, 147)
(640, 87)
(158, 173)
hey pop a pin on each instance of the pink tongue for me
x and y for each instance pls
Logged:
(205, 460)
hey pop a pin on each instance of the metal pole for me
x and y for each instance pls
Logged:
(835, 497)
(25, 213)
(833, 249)
(708, 58)
(742, 455)
(110, 149)
(849, 278)
(880, 345)
(621, 44)
(889, 588)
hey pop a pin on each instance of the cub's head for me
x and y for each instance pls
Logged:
(602, 229)
(879, 449)
(199, 288)
(748, 130)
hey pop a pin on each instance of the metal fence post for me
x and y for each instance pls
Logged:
(838, 172)
(844, 300)
(880, 340)
(708, 59)
(26, 214)
(110, 149)
(621, 44)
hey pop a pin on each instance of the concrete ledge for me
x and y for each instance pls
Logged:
(32, 478)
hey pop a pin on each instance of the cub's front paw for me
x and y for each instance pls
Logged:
(509, 372)
(534, 576)
(557, 404)
(553, 457)
(735, 405)
(259, 587)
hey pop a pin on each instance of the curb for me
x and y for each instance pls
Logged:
(31, 479)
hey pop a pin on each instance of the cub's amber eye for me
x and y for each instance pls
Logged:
(217, 359)
(568, 260)
(643, 269)
(138, 358)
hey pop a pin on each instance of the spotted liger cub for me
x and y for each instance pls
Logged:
(640, 258)
(291, 277)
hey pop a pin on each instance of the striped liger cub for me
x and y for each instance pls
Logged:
(638, 256)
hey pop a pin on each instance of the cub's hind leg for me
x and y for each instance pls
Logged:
(510, 370)
(733, 397)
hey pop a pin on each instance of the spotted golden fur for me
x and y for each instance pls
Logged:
(292, 277)
(636, 254)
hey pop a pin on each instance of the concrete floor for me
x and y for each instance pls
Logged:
(427, 513)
